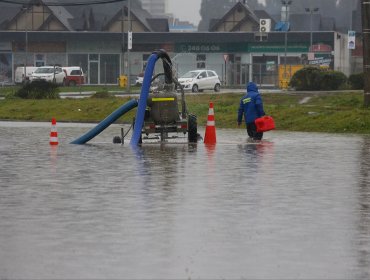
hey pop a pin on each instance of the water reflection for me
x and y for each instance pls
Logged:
(295, 205)
(363, 238)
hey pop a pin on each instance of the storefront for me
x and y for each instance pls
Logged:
(236, 57)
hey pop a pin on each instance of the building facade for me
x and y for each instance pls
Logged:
(236, 57)
(236, 48)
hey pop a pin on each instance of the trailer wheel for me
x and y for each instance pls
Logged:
(192, 129)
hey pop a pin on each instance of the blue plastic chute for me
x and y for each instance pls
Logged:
(106, 122)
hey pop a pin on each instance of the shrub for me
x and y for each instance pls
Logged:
(306, 79)
(314, 78)
(332, 80)
(38, 90)
(101, 94)
(356, 81)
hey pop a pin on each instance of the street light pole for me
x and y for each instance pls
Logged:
(26, 8)
(286, 4)
(128, 47)
(311, 11)
(366, 43)
(123, 39)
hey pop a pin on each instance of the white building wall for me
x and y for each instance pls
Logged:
(341, 54)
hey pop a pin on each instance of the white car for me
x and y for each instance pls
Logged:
(198, 80)
(49, 74)
(139, 79)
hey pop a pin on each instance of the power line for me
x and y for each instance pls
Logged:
(64, 4)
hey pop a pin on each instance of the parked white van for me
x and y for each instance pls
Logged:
(19, 74)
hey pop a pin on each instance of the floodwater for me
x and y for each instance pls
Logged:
(296, 206)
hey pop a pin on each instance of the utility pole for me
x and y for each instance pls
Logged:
(129, 41)
(26, 9)
(366, 42)
(286, 77)
(123, 39)
(311, 11)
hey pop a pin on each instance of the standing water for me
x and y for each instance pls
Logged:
(296, 205)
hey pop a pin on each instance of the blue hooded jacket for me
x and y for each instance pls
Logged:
(251, 105)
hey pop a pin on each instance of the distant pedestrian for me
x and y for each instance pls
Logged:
(251, 107)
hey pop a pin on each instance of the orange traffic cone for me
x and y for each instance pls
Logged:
(210, 135)
(53, 133)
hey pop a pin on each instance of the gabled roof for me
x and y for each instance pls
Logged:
(61, 14)
(158, 24)
(118, 16)
(260, 14)
(71, 17)
(142, 16)
(12, 14)
(249, 16)
(7, 12)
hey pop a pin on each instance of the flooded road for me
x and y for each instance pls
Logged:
(295, 206)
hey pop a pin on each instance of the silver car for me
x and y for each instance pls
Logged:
(198, 80)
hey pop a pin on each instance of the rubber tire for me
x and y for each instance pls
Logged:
(195, 88)
(117, 140)
(192, 129)
(217, 88)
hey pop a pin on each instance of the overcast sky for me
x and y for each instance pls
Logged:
(185, 10)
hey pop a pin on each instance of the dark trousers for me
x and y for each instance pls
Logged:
(252, 131)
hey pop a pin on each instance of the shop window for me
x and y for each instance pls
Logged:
(201, 61)
(5, 67)
(145, 61)
(109, 68)
(39, 60)
(93, 57)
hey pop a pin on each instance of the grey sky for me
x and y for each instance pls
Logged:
(185, 10)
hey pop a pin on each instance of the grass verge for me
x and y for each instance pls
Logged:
(329, 112)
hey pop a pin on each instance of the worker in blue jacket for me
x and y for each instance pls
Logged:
(251, 106)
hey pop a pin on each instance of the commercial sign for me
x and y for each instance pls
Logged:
(270, 66)
(325, 60)
(351, 40)
(271, 47)
(209, 47)
(129, 44)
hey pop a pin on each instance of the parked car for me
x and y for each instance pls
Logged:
(74, 75)
(19, 74)
(54, 74)
(198, 80)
